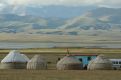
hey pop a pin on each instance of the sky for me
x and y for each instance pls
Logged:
(105, 3)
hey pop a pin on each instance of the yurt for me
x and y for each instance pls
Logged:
(100, 63)
(37, 62)
(25, 57)
(14, 60)
(69, 63)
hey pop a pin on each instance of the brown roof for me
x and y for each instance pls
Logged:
(83, 55)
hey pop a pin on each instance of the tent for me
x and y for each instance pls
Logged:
(100, 63)
(26, 58)
(14, 60)
(37, 62)
(69, 63)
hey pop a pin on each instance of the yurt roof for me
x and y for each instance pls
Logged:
(101, 59)
(69, 60)
(37, 62)
(14, 56)
(27, 59)
(100, 63)
(37, 58)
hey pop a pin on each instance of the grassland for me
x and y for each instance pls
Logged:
(84, 37)
(64, 50)
(51, 56)
(59, 75)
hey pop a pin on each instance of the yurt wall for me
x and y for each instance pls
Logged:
(100, 63)
(37, 62)
(69, 63)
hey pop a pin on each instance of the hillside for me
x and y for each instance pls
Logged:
(99, 19)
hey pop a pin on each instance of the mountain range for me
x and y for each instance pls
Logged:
(66, 20)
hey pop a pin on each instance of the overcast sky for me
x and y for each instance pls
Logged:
(106, 3)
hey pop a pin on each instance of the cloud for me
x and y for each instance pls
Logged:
(2, 6)
(50, 2)
(108, 3)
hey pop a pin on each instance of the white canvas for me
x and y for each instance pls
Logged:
(14, 56)
(27, 59)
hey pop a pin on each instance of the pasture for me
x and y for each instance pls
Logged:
(59, 75)
(51, 56)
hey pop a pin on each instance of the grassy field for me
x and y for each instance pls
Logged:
(64, 50)
(84, 37)
(51, 56)
(59, 75)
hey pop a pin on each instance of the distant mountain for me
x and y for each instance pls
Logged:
(102, 11)
(58, 11)
(12, 23)
(112, 15)
(48, 11)
(107, 19)
(97, 19)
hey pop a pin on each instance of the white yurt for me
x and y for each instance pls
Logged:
(100, 63)
(37, 62)
(14, 60)
(26, 58)
(69, 63)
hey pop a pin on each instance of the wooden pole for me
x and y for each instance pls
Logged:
(68, 51)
